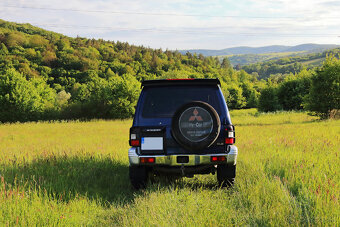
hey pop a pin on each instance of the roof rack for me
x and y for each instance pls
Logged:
(181, 82)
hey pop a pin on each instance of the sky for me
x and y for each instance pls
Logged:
(184, 24)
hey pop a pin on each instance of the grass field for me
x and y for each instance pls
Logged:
(76, 173)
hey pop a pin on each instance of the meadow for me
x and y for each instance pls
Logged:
(76, 173)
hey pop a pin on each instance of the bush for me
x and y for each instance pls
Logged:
(101, 98)
(293, 90)
(24, 100)
(268, 100)
(234, 97)
(324, 94)
(250, 94)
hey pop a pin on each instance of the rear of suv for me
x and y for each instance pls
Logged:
(182, 127)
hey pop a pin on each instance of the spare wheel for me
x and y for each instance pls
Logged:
(196, 125)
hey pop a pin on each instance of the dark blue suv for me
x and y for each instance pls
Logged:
(182, 127)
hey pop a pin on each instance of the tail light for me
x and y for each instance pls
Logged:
(134, 137)
(229, 135)
(147, 160)
(218, 158)
(135, 143)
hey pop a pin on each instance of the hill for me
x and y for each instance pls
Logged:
(246, 59)
(250, 55)
(289, 64)
(308, 48)
(87, 78)
(46, 75)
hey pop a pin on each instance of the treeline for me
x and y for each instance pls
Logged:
(317, 91)
(287, 65)
(45, 75)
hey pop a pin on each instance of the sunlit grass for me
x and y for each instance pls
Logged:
(253, 117)
(76, 173)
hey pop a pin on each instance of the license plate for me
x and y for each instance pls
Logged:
(152, 143)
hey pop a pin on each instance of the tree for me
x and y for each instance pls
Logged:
(125, 91)
(23, 100)
(234, 97)
(49, 58)
(112, 98)
(15, 39)
(3, 49)
(226, 63)
(37, 41)
(268, 100)
(250, 94)
(62, 98)
(324, 94)
(293, 89)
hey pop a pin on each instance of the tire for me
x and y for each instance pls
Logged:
(195, 126)
(138, 176)
(226, 175)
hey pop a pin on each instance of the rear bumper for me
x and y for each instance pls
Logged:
(194, 159)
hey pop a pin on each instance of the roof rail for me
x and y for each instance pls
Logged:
(190, 81)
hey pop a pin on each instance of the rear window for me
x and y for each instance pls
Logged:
(164, 101)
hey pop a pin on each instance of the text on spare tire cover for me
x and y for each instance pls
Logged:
(195, 124)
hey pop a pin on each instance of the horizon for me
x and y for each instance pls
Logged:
(219, 49)
(294, 45)
(185, 25)
(267, 46)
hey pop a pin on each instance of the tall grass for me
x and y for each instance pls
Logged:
(76, 173)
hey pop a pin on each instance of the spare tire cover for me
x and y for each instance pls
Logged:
(196, 125)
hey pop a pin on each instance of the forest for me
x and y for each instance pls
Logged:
(49, 76)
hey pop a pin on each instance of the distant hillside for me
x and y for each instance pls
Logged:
(246, 59)
(309, 47)
(286, 65)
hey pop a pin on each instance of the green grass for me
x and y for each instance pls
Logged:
(76, 173)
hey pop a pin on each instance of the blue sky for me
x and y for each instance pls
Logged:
(185, 24)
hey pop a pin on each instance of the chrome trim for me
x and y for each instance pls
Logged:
(194, 159)
(232, 155)
(133, 157)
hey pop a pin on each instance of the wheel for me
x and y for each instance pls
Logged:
(195, 126)
(226, 175)
(138, 176)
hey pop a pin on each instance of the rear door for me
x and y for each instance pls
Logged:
(157, 106)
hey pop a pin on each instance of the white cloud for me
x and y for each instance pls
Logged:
(256, 23)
